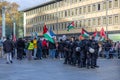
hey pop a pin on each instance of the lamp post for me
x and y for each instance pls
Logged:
(3, 22)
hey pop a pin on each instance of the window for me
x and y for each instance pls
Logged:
(99, 21)
(73, 12)
(80, 10)
(89, 22)
(116, 19)
(82, 23)
(94, 8)
(98, 7)
(65, 13)
(89, 8)
(104, 5)
(78, 24)
(84, 10)
(115, 3)
(104, 20)
(76, 11)
(94, 22)
(110, 4)
(86, 23)
(68, 12)
(110, 20)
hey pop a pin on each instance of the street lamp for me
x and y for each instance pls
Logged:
(3, 22)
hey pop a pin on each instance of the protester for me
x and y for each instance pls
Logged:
(35, 48)
(20, 48)
(39, 49)
(44, 48)
(8, 48)
(52, 49)
(30, 50)
(60, 49)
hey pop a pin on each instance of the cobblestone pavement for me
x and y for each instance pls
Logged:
(48, 69)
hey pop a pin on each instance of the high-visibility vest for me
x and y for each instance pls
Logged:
(31, 46)
(35, 43)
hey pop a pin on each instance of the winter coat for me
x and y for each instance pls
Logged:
(8, 46)
(20, 44)
(52, 45)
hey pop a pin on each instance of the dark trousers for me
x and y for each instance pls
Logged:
(66, 57)
(39, 53)
(81, 59)
(20, 53)
(44, 53)
(84, 58)
(91, 59)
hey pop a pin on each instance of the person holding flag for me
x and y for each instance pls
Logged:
(70, 26)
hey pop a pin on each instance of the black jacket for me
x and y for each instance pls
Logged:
(52, 45)
(8, 46)
(20, 44)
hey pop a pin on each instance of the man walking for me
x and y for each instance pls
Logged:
(8, 47)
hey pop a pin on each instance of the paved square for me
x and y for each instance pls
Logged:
(48, 69)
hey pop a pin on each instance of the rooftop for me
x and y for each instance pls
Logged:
(41, 5)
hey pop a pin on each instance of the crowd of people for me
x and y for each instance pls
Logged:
(75, 52)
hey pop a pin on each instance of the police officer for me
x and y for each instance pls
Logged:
(83, 53)
(72, 51)
(92, 53)
(66, 51)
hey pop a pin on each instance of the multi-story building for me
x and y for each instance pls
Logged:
(87, 14)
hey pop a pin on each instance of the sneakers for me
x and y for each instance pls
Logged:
(9, 63)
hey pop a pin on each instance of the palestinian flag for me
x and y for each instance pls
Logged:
(102, 34)
(95, 33)
(96, 36)
(71, 26)
(84, 33)
(47, 35)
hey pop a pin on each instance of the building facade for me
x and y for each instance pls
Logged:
(87, 14)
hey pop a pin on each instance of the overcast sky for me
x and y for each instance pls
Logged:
(28, 3)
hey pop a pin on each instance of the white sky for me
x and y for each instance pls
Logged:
(27, 3)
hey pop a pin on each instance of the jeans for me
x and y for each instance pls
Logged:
(61, 54)
(9, 57)
(29, 54)
(35, 52)
(52, 53)
(107, 54)
(39, 54)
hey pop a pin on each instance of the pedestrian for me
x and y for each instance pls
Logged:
(44, 48)
(8, 48)
(67, 51)
(52, 49)
(60, 49)
(30, 50)
(39, 49)
(107, 47)
(35, 48)
(20, 48)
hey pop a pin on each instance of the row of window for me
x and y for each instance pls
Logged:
(54, 6)
(72, 12)
(93, 22)
(65, 2)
